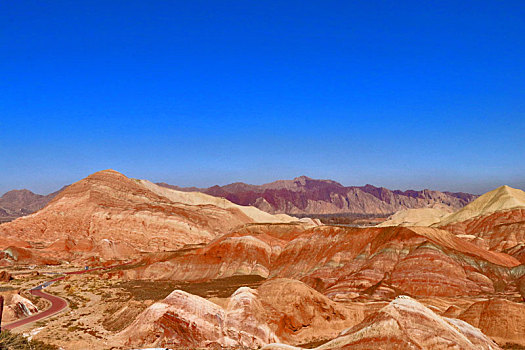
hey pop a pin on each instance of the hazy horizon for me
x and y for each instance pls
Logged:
(49, 188)
(401, 95)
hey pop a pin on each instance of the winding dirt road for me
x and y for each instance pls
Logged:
(57, 303)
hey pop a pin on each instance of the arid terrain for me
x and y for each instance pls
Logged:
(277, 175)
(141, 265)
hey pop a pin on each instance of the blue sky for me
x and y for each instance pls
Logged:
(404, 95)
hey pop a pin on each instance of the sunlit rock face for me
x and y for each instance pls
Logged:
(109, 205)
(500, 199)
(299, 314)
(497, 219)
(416, 217)
(405, 323)
(288, 313)
(500, 231)
(249, 250)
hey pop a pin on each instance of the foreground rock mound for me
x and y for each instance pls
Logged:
(186, 320)
(406, 324)
(298, 314)
(16, 307)
(279, 310)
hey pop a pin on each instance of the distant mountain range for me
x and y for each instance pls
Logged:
(306, 196)
(17, 203)
(300, 196)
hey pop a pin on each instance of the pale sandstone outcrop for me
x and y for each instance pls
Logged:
(502, 198)
(416, 217)
(186, 320)
(198, 198)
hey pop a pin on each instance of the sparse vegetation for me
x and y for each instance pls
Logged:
(221, 288)
(14, 341)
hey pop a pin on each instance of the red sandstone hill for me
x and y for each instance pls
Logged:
(111, 216)
(304, 195)
(279, 310)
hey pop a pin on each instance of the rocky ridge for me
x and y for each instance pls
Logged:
(304, 195)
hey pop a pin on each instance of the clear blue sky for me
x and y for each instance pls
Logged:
(403, 94)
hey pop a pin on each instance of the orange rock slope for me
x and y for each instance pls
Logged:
(501, 319)
(346, 263)
(500, 231)
(355, 266)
